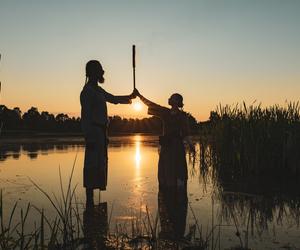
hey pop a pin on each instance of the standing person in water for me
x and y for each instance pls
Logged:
(172, 166)
(94, 122)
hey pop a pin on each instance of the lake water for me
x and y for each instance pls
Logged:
(133, 186)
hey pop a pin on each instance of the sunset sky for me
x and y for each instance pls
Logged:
(209, 51)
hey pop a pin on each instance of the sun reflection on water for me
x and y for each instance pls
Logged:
(138, 157)
(137, 164)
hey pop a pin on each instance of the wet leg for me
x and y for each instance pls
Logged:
(89, 197)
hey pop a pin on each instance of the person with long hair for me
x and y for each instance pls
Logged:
(94, 121)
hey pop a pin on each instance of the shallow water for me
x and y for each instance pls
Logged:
(132, 185)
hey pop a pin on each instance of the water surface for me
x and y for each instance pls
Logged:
(132, 185)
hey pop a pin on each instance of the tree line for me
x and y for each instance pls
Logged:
(33, 120)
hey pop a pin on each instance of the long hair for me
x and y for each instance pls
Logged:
(92, 68)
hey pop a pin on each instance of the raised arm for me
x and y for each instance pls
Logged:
(153, 108)
(146, 101)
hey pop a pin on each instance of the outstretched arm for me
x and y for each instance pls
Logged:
(118, 99)
(153, 108)
(144, 99)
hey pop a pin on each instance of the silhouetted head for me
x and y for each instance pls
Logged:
(176, 100)
(94, 71)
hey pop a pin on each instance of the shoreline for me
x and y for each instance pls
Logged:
(37, 137)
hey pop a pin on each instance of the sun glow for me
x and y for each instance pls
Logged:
(137, 105)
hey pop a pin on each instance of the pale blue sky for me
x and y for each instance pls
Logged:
(209, 51)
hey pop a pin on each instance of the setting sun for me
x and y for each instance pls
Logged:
(137, 105)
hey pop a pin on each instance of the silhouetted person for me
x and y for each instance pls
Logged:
(172, 166)
(172, 207)
(95, 226)
(94, 121)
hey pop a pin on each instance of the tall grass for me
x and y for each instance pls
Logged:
(66, 229)
(62, 232)
(251, 140)
(15, 235)
(252, 155)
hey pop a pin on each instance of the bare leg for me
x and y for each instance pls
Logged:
(89, 197)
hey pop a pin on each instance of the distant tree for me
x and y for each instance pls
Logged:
(32, 119)
(2, 107)
(45, 116)
(47, 121)
(61, 118)
(18, 112)
(10, 118)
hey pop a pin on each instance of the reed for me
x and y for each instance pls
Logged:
(251, 140)
(15, 235)
(66, 229)
(251, 155)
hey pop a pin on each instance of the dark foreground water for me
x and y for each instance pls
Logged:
(266, 222)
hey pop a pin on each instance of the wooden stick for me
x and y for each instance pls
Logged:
(133, 64)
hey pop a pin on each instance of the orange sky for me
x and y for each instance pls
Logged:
(210, 52)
